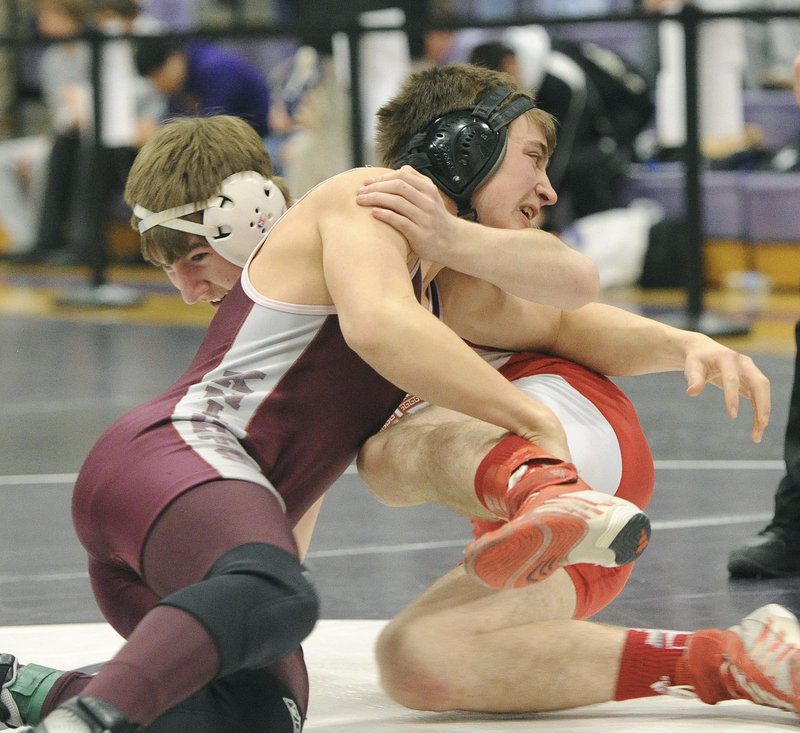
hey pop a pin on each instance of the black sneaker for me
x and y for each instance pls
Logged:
(86, 715)
(772, 553)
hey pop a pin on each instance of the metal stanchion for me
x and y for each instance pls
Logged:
(694, 317)
(98, 293)
(356, 128)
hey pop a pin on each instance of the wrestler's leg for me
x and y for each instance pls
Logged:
(462, 646)
(419, 651)
(458, 648)
(438, 456)
(124, 600)
(123, 597)
(268, 699)
(246, 701)
(172, 653)
(429, 456)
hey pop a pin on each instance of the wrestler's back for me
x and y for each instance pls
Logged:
(274, 396)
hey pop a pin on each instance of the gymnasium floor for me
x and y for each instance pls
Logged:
(67, 372)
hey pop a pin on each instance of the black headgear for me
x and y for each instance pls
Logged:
(460, 150)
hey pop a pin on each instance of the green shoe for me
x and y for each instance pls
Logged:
(24, 690)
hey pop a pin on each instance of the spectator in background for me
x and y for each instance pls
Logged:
(600, 104)
(81, 176)
(165, 78)
(132, 109)
(29, 165)
(202, 78)
(775, 550)
(320, 140)
(722, 60)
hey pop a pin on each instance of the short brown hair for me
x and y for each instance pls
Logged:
(185, 161)
(433, 92)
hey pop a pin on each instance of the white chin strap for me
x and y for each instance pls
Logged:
(235, 221)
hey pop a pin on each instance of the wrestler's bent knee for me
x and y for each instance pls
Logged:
(410, 672)
(255, 602)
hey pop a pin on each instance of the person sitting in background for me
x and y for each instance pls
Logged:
(600, 105)
(132, 109)
(202, 78)
(83, 176)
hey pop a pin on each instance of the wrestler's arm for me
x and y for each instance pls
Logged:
(528, 262)
(623, 343)
(604, 338)
(366, 271)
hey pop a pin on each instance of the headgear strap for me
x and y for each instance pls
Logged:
(235, 221)
(460, 150)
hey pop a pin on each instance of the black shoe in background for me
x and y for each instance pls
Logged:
(772, 553)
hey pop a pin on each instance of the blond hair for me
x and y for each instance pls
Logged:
(185, 161)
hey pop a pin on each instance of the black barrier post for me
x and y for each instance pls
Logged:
(98, 255)
(356, 127)
(694, 317)
(693, 188)
(98, 292)
(14, 22)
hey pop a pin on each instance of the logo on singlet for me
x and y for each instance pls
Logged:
(223, 396)
(294, 711)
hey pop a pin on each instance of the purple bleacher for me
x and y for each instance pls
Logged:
(724, 217)
(664, 183)
(775, 112)
(771, 206)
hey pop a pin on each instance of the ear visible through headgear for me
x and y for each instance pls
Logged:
(235, 221)
(459, 151)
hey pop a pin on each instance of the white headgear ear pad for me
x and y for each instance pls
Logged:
(235, 221)
(241, 215)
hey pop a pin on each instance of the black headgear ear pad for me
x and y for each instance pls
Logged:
(460, 150)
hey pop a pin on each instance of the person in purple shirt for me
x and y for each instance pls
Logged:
(204, 78)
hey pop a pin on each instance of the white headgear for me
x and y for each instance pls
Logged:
(235, 221)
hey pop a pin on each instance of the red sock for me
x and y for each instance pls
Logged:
(651, 659)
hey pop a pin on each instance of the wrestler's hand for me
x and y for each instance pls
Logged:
(545, 430)
(411, 203)
(735, 374)
(550, 442)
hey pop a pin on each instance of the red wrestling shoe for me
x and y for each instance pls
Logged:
(562, 524)
(756, 660)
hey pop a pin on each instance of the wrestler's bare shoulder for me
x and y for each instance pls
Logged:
(340, 189)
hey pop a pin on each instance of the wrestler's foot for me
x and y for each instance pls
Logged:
(23, 691)
(556, 526)
(85, 715)
(10, 716)
(757, 660)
